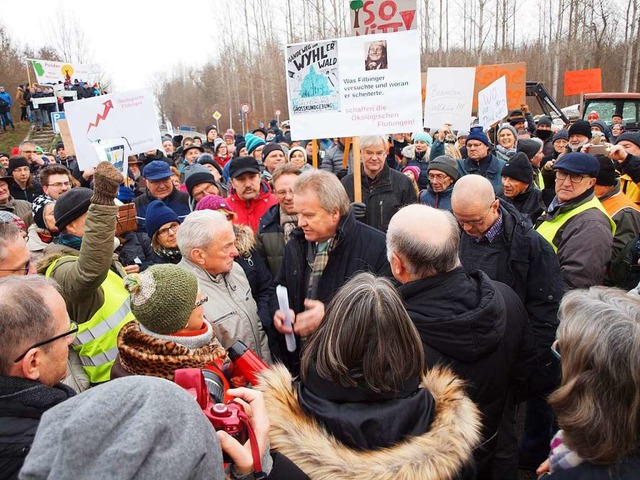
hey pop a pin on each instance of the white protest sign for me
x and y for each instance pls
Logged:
(382, 16)
(354, 86)
(492, 103)
(54, 72)
(129, 115)
(449, 97)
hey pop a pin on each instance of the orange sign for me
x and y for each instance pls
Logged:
(577, 82)
(516, 74)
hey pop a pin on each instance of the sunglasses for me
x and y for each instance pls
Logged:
(555, 349)
(73, 330)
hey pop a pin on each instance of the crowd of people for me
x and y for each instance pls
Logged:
(463, 281)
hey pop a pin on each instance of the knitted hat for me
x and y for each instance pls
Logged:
(59, 145)
(581, 127)
(264, 132)
(162, 297)
(37, 208)
(519, 168)
(216, 143)
(560, 135)
(633, 137)
(529, 146)
(157, 215)
(296, 149)
(516, 116)
(270, 148)
(8, 217)
(508, 127)
(229, 133)
(196, 175)
(463, 133)
(424, 136)
(544, 120)
(576, 162)
(414, 170)
(607, 176)
(17, 162)
(207, 159)
(241, 165)
(445, 164)
(209, 128)
(253, 142)
(212, 202)
(70, 205)
(478, 134)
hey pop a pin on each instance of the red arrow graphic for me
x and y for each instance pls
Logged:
(108, 105)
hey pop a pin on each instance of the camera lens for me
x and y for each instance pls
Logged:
(215, 385)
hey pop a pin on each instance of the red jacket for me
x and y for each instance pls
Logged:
(250, 212)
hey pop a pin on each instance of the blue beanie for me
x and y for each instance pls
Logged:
(253, 142)
(478, 134)
(157, 215)
(580, 163)
(424, 136)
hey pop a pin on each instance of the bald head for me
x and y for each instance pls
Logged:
(424, 241)
(472, 190)
(474, 204)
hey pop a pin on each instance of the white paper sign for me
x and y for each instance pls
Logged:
(352, 86)
(130, 115)
(492, 103)
(54, 72)
(382, 16)
(449, 97)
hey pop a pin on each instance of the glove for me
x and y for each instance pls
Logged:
(343, 172)
(106, 181)
(359, 209)
(125, 194)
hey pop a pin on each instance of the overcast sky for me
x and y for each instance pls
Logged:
(133, 41)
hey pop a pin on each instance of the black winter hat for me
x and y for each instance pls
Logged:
(544, 120)
(37, 209)
(17, 162)
(529, 146)
(607, 176)
(560, 135)
(633, 137)
(71, 205)
(581, 127)
(519, 168)
(269, 148)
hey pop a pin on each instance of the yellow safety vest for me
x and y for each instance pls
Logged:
(549, 228)
(97, 340)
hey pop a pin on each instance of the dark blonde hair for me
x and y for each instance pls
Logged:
(598, 401)
(366, 338)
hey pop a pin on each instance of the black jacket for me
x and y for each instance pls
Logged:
(528, 202)
(626, 469)
(530, 267)
(270, 239)
(358, 248)
(478, 328)
(392, 191)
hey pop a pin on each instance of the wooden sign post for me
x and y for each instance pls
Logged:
(314, 153)
(357, 176)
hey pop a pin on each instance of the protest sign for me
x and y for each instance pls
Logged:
(382, 16)
(582, 81)
(516, 78)
(351, 86)
(127, 115)
(65, 135)
(54, 72)
(449, 97)
(492, 103)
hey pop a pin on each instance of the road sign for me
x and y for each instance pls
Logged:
(55, 116)
(278, 113)
(245, 108)
(217, 115)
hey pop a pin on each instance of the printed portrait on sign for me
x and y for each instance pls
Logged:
(376, 55)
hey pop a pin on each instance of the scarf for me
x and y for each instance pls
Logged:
(172, 255)
(288, 224)
(560, 457)
(31, 393)
(504, 153)
(318, 264)
(69, 240)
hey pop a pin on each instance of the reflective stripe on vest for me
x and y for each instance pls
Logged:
(549, 228)
(540, 180)
(97, 338)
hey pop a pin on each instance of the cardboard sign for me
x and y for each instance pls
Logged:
(129, 115)
(515, 75)
(577, 82)
(492, 103)
(65, 135)
(352, 86)
(449, 97)
(382, 16)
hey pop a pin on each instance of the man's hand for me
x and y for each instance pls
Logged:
(618, 153)
(278, 321)
(525, 108)
(308, 321)
(359, 210)
(88, 173)
(132, 269)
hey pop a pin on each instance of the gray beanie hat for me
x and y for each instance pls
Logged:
(508, 127)
(446, 164)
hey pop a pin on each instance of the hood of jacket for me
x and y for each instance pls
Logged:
(245, 240)
(439, 453)
(460, 315)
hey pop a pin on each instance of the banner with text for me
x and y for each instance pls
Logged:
(492, 103)
(54, 72)
(577, 82)
(363, 85)
(130, 116)
(382, 16)
(516, 78)
(449, 97)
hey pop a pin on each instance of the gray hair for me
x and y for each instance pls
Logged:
(330, 191)
(196, 231)
(25, 143)
(371, 140)
(9, 233)
(26, 316)
(598, 401)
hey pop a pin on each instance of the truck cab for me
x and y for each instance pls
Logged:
(608, 104)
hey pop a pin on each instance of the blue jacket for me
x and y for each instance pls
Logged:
(6, 97)
(493, 172)
(177, 201)
(441, 201)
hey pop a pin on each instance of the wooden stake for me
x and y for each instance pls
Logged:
(345, 157)
(314, 152)
(357, 176)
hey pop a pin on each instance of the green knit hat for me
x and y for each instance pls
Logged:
(162, 297)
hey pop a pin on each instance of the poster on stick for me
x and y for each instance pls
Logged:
(577, 82)
(516, 79)
(128, 116)
(363, 85)
(382, 16)
(449, 97)
(492, 103)
(54, 72)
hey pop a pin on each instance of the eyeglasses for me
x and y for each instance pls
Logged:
(573, 177)
(59, 184)
(555, 349)
(201, 302)
(165, 231)
(475, 223)
(29, 151)
(24, 270)
(284, 193)
(210, 188)
(73, 330)
(437, 176)
(474, 145)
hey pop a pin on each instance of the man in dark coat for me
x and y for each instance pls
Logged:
(519, 188)
(384, 190)
(474, 325)
(326, 249)
(34, 340)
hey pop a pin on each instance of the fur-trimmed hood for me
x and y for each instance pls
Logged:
(439, 454)
(245, 240)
